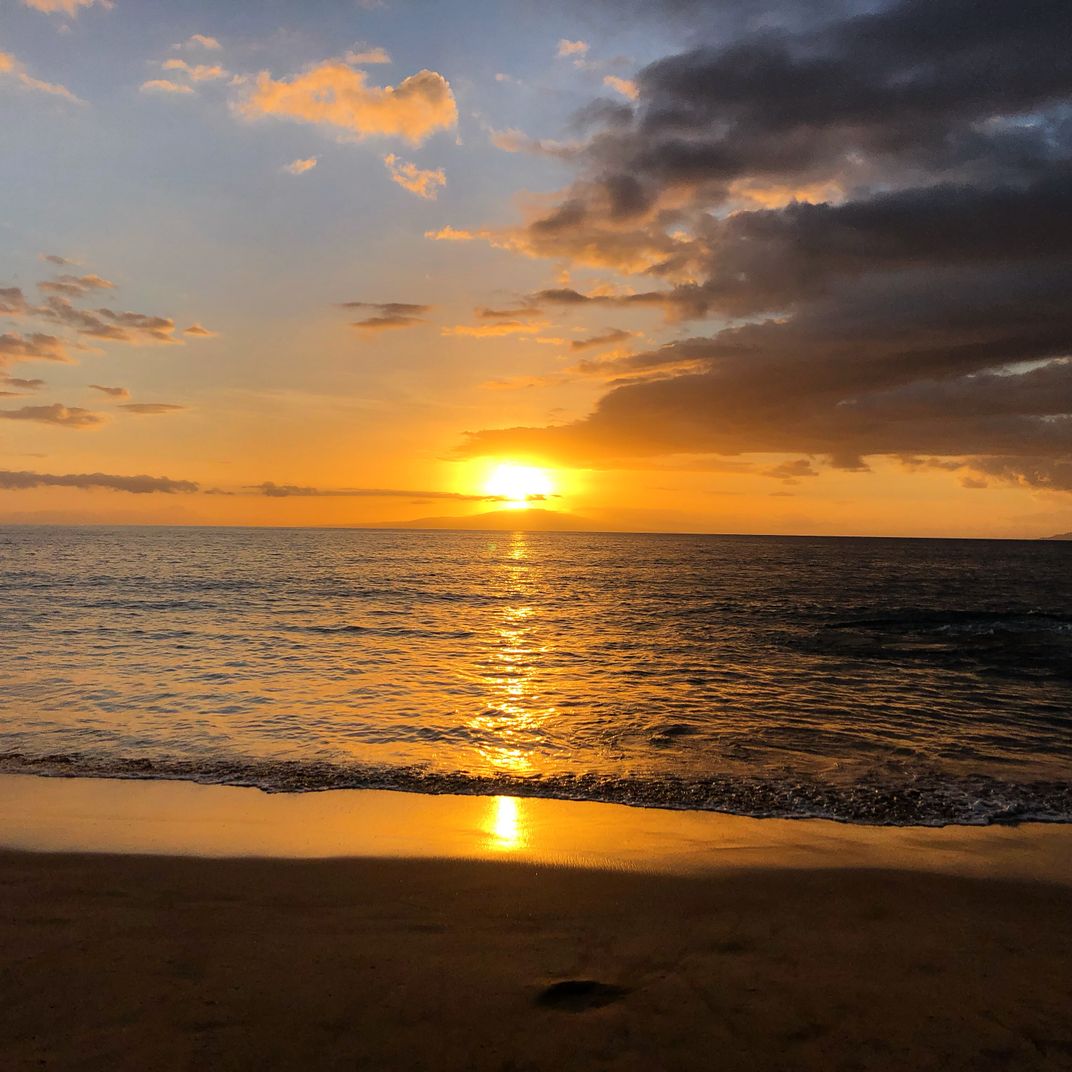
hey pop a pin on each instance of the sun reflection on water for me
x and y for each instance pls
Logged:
(512, 716)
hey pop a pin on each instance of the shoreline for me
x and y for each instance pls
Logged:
(176, 818)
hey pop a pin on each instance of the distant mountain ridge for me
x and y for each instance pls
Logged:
(532, 520)
(1060, 536)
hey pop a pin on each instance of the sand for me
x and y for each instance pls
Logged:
(557, 936)
(133, 962)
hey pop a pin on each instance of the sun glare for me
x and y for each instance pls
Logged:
(519, 485)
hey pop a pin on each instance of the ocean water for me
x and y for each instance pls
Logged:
(867, 680)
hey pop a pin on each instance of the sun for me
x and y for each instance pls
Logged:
(519, 485)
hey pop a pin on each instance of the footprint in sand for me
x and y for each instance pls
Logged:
(577, 995)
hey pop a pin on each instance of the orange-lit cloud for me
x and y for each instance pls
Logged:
(453, 234)
(623, 86)
(494, 329)
(200, 41)
(162, 85)
(75, 285)
(568, 48)
(198, 72)
(12, 68)
(35, 346)
(66, 7)
(301, 166)
(337, 95)
(422, 182)
(200, 331)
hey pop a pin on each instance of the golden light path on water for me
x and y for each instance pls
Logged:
(512, 714)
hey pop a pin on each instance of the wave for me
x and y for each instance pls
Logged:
(932, 799)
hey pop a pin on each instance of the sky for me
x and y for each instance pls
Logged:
(677, 265)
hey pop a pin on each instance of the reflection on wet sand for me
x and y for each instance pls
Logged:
(506, 829)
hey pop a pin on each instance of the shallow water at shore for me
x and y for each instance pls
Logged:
(877, 681)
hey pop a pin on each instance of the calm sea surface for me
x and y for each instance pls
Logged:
(883, 681)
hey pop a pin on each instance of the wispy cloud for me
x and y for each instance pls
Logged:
(14, 69)
(163, 85)
(12, 480)
(112, 392)
(197, 72)
(567, 48)
(389, 315)
(200, 41)
(35, 346)
(66, 7)
(367, 54)
(422, 182)
(56, 414)
(301, 166)
(151, 408)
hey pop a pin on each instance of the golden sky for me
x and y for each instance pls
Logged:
(777, 268)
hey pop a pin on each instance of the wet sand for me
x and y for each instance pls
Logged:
(556, 936)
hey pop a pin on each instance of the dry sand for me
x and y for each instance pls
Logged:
(137, 962)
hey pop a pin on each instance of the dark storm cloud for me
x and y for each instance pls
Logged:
(138, 485)
(877, 207)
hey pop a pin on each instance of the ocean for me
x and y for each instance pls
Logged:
(879, 681)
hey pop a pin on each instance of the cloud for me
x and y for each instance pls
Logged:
(200, 41)
(197, 72)
(368, 54)
(14, 69)
(285, 491)
(162, 85)
(300, 166)
(151, 408)
(452, 234)
(107, 323)
(791, 472)
(423, 183)
(624, 86)
(388, 315)
(871, 207)
(200, 331)
(495, 329)
(13, 302)
(56, 414)
(75, 286)
(66, 7)
(138, 485)
(35, 346)
(23, 385)
(55, 258)
(607, 338)
(336, 95)
(571, 48)
(384, 323)
(112, 392)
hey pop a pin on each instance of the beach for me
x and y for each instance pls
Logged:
(758, 944)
